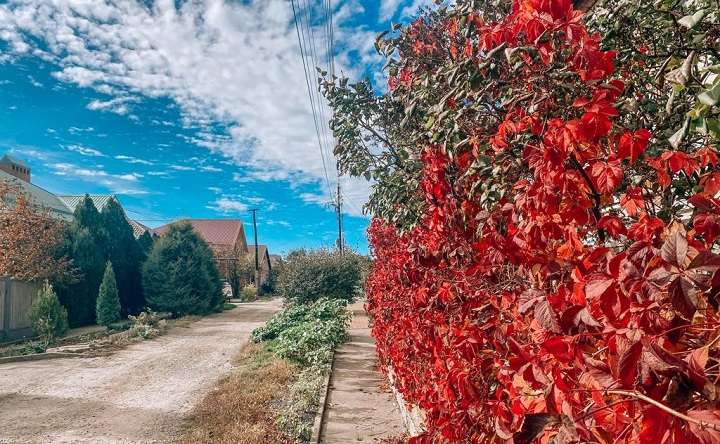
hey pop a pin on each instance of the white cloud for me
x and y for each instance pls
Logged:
(210, 169)
(75, 129)
(130, 159)
(116, 183)
(319, 199)
(235, 63)
(182, 168)
(215, 190)
(85, 151)
(282, 223)
(226, 205)
(118, 105)
(388, 8)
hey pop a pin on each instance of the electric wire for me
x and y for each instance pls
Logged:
(302, 36)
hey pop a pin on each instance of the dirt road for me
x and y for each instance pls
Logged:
(138, 395)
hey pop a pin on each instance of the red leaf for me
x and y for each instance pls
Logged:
(633, 200)
(704, 203)
(655, 425)
(675, 249)
(546, 317)
(598, 284)
(711, 181)
(596, 125)
(680, 161)
(683, 296)
(708, 226)
(613, 225)
(697, 360)
(633, 145)
(705, 434)
(607, 175)
(645, 229)
(628, 364)
(707, 157)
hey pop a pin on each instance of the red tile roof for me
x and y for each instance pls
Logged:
(217, 232)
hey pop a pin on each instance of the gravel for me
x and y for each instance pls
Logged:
(141, 394)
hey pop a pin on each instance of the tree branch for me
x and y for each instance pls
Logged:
(633, 394)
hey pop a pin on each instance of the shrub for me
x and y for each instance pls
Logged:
(47, 316)
(180, 274)
(108, 301)
(306, 333)
(249, 293)
(546, 219)
(306, 276)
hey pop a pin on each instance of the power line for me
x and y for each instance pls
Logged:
(302, 37)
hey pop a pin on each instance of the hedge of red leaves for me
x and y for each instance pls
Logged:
(541, 297)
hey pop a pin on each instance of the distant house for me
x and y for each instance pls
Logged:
(225, 235)
(60, 206)
(264, 262)
(220, 234)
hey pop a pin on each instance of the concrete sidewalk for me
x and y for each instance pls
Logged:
(358, 409)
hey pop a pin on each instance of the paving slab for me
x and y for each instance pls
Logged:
(360, 406)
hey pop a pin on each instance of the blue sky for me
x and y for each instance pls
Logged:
(186, 108)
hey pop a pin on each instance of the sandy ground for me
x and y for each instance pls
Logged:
(139, 395)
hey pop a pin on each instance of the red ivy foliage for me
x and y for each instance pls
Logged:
(562, 309)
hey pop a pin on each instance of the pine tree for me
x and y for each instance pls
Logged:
(145, 241)
(108, 301)
(180, 274)
(124, 252)
(47, 316)
(79, 296)
(87, 216)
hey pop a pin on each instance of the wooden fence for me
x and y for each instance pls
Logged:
(15, 300)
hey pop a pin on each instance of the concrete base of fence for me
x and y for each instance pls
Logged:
(322, 405)
(414, 418)
(37, 357)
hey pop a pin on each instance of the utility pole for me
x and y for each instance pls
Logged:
(339, 218)
(257, 260)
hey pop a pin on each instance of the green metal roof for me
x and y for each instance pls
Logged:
(41, 197)
(73, 200)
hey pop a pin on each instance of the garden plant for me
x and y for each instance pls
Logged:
(546, 218)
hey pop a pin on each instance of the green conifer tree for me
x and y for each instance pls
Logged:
(123, 250)
(47, 316)
(108, 301)
(180, 274)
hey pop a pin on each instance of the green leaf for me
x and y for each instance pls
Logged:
(713, 127)
(678, 137)
(691, 21)
(710, 97)
(430, 122)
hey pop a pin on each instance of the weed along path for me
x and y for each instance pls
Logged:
(140, 394)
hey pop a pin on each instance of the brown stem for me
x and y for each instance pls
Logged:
(595, 194)
(712, 425)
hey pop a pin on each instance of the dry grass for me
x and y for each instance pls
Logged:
(239, 410)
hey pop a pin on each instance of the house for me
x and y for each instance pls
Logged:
(60, 206)
(264, 263)
(15, 170)
(223, 235)
(220, 234)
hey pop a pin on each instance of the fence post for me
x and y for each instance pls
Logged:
(6, 305)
